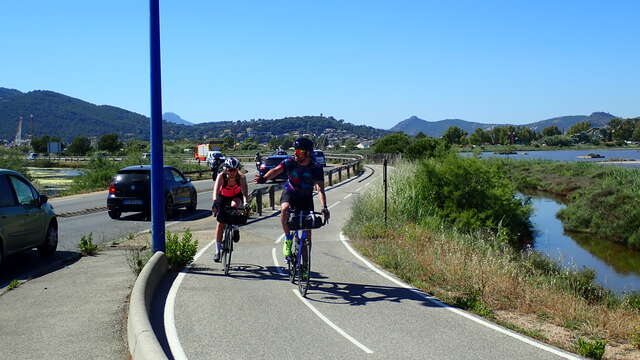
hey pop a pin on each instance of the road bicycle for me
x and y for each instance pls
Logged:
(231, 218)
(299, 263)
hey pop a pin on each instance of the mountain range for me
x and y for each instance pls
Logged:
(175, 118)
(50, 113)
(414, 124)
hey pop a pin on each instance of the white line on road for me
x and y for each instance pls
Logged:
(280, 239)
(330, 323)
(275, 261)
(358, 189)
(334, 204)
(169, 318)
(348, 196)
(367, 184)
(456, 310)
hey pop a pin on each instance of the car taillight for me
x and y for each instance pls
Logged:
(112, 188)
(263, 166)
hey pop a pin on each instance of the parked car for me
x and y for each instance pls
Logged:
(32, 156)
(269, 162)
(27, 219)
(130, 190)
(319, 156)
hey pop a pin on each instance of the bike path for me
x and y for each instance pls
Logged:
(256, 312)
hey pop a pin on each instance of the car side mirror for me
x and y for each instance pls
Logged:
(42, 200)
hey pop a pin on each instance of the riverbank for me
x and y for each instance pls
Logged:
(478, 271)
(601, 200)
(522, 147)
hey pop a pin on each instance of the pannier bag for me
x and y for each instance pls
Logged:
(232, 217)
(306, 221)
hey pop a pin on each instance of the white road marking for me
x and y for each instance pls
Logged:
(169, 317)
(334, 204)
(367, 184)
(348, 196)
(280, 239)
(330, 323)
(358, 189)
(456, 310)
(275, 261)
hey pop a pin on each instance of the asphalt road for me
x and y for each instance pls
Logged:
(352, 310)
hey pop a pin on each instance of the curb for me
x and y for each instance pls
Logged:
(143, 343)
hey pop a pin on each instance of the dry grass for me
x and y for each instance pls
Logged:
(451, 268)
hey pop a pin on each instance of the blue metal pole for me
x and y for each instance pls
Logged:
(157, 185)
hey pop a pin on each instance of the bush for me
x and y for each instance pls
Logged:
(472, 195)
(592, 349)
(180, 252)
(86, 246)
(137, 258)
(425, 148)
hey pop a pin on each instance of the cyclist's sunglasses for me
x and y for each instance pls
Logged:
(300, 151)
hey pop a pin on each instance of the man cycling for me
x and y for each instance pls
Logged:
(304, 174)
(230, 190)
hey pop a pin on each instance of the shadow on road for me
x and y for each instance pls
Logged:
(361, 294)
(29, 265)
(180, 215)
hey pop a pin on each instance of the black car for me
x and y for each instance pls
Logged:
(130, 190)
(271, 161)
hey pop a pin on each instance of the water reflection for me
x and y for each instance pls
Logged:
(617, 267)
(52, 181)
(568, 155)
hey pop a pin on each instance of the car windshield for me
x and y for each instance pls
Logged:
(273, 161)
(132, 176)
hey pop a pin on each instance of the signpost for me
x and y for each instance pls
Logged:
(157, 185)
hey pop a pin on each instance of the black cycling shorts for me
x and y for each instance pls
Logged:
(304, 203)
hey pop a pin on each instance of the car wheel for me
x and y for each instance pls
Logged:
(115, 214)
(194, 202)
(168, 208)
(50, 244)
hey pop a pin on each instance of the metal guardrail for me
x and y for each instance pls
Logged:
(348, 168)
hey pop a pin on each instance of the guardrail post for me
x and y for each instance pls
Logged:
(330, 178)
(348, 171)
(340, 174)
(259, 201)
(272, 197)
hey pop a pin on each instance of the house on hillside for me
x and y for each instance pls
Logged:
(364, 145)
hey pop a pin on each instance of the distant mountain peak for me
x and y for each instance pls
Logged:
(175, 118)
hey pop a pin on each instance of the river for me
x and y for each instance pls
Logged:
(617, 268)
(573, 155)
(52, 181)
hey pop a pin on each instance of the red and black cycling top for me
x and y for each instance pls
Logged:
(230, 191)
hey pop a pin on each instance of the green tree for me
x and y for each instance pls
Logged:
(109, 142)
(79, 146)
(636, 132)
(579, 127)
(249, 144)
(39, 144)
(229, 142)
(525, 135)
(454, 135)
(287, 142)
(420, 135)
(350, 144)
(274, 143)
(394, 143)
(479, 137)
(551, 131)
(425, 148)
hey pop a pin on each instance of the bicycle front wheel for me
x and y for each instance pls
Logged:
(304, 273)
(227, 245)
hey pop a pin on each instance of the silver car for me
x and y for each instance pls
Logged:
(27, 220)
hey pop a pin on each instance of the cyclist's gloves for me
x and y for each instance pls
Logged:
(260, 179)
(217, 204)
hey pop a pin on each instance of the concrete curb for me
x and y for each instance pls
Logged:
(143, 343)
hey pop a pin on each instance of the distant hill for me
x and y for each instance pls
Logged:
(175, 118)
(59, 115)
(413, 125)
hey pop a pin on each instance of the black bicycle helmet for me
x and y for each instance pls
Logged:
(231, 163)
(303, 143)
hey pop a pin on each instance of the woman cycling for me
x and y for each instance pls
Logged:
(230, 189)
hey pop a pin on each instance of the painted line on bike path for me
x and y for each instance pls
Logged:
(358, 189)
(275, 261)
(348, 196)
(331, 324)
(169, 315)
(334, 204)
(437, 302)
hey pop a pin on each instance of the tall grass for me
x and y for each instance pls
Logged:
(478, 269)
(13, 159)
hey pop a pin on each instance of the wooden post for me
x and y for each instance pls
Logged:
(259, 201)
(348, 171)
(340, 174)
(272, 197)
(330, 178)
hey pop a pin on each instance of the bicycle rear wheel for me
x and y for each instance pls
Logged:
(304, 270)
(227, 249)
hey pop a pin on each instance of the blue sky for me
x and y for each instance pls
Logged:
(367, 62)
